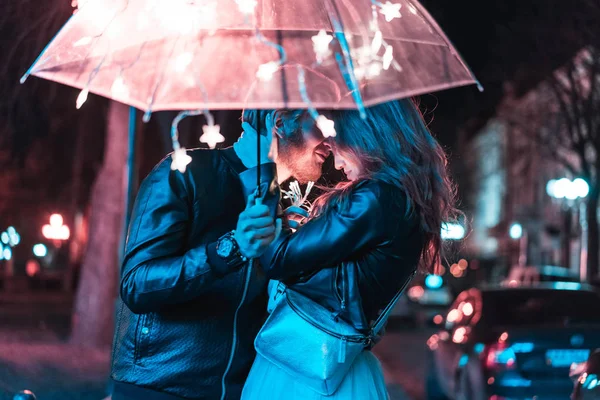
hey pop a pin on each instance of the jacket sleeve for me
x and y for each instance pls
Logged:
(158, 268)
(327, 240)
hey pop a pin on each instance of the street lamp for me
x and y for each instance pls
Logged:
(515, 231)
(567, 189)
(452, 231)
(56, 230)
(572, 191)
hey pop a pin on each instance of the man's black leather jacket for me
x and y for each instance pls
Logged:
(187, 322)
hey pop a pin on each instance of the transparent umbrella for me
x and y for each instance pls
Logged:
(197, 55)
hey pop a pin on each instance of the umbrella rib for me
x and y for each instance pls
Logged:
(453, 50)
(159, 80)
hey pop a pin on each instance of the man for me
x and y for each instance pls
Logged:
(193, 300)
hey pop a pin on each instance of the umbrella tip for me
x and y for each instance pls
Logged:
(479, 87)
(24, 78)
(146, 117)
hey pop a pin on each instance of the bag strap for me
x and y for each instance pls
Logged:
(382, 319)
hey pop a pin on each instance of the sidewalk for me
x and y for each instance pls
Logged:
(34, 353)
(54, 371)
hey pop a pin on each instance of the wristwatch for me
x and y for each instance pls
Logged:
(229, 251)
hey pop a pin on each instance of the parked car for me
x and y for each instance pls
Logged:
(404, 311)
(425, 297)
(508, 342)
(539, 273)
(587, 378)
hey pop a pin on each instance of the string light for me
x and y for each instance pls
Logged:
(321, 45)
(323, 123)
(84, 41)
(391, 10)
(388, 57)
(377, 42)
(185, 17)
(212, 135)
(83, 95)
(180, 160)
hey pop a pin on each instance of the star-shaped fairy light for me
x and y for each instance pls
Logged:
(326, 126)
(391, 10)
(180, 160)
(212, 135)
(321, 45)
(266, 71)
(119, 89)
(246, 6)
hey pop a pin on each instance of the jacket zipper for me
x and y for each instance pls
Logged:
(232, 354)
(341, 298)
(343, 289)
(336, 288)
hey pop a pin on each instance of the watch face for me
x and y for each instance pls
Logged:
(225, 248)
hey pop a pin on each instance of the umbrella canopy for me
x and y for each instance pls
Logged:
(227, 54)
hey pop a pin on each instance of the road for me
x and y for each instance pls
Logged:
(33, 335)
(402, 353)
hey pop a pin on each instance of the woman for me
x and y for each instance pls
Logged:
(366, 236)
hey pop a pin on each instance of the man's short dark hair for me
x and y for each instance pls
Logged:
(287, 122)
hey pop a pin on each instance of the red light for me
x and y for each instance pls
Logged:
(432, 342)
(416, 292)
(438, 319)
(460, 335)
(467, 309)
(453, 315)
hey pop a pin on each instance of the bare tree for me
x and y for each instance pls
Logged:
(94, 308)
(562, 119)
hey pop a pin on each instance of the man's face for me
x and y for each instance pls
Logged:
(304, 154)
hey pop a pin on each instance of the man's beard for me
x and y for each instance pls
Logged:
(300, 161)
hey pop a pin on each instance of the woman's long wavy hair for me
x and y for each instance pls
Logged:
(394, 145)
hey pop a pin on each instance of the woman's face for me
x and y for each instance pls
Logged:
(346, 162)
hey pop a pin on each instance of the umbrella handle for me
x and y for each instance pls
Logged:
(258, 194)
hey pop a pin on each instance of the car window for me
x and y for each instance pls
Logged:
(541, 307)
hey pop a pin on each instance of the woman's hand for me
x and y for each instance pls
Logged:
(296, 216)
(245, 147)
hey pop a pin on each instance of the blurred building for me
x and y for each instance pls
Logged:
(508, 175)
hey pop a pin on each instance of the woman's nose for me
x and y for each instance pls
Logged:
(339, 162)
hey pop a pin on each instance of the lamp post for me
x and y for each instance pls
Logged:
(56, 230)
(516, 232)
(570, 193)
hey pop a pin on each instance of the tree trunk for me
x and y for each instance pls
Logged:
(94, 305)
(566, 238)
(593, 239)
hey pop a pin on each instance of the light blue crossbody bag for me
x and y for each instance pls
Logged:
(307, 340)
